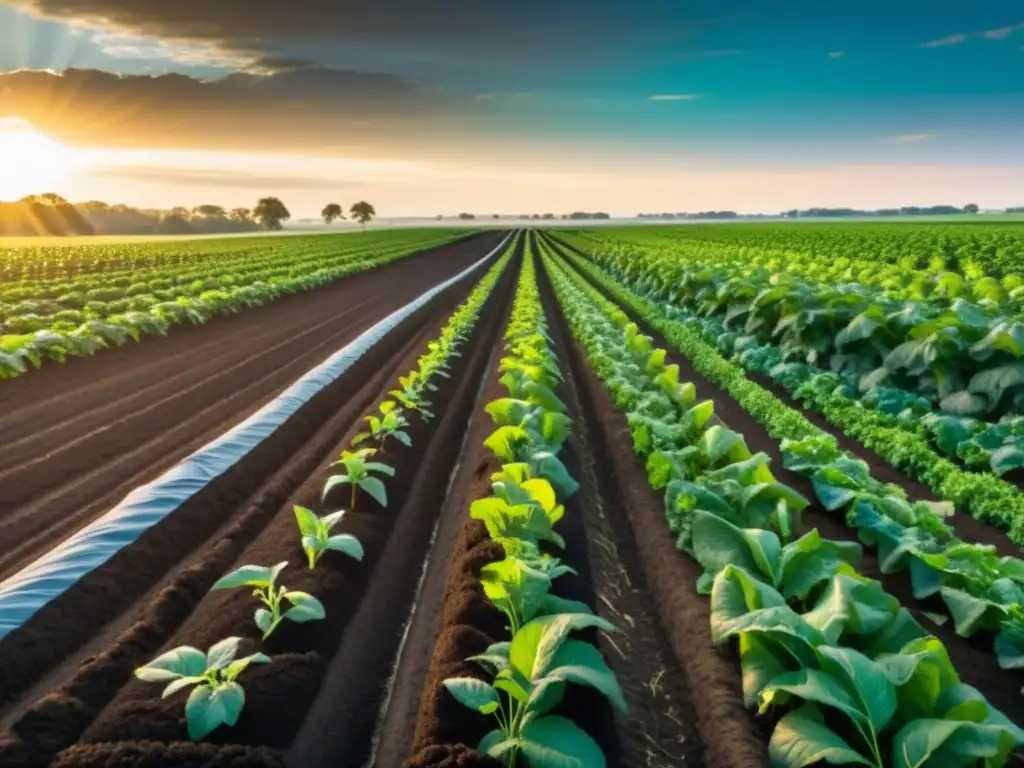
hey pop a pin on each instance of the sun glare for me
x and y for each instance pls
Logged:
(30, 162)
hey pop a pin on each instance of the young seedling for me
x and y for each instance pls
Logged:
(390, 423)
(317, 539)
(532, 672)
(217, 699)
(304, 608)
(357, 475)
(412, 395)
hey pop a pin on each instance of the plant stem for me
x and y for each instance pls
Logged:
(352, 504)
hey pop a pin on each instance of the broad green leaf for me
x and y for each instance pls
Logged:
(304, 608)
(495, 744)
(970, 613)
(865, 680)
(383, 469)
(509, 411)
(849, 605)
(185, 661)
(949, 742)
(761, 662)
(534, 647)
(182, 682)
(581, 663)
(995, 381)
(222, 653)
(309, 523)
(505, 441)
(264, 619)
(208, 708)
(247, 575)
(473, 693)
(816, 686)
(809, 560)
(735, 594)
(375, 488)
(333, 482)
(555, 742)
(801, 738)
(920, 672)
(718, 543)
(346, 544)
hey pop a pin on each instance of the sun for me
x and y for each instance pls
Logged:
(30, 162)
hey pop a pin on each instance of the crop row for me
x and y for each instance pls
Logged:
(858, 679)
(980, 590)
(526, 676)
(996, 249)
(78, 324)
(960, 355)
(893, 422)
(217, 697)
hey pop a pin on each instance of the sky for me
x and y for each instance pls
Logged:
(537, 105)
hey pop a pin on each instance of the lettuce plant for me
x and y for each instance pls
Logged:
(530, 676)
(317, 538)
(217, 699)
(304, 607)
(358, 475)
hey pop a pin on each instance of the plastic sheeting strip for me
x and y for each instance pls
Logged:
(51, 575)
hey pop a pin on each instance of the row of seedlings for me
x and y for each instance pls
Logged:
(982, 591)
(528, 673)
(217, 698)
(858, 679)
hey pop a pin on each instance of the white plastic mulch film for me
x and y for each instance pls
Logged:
(51, 575)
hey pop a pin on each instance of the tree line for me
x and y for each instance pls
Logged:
(50, 214)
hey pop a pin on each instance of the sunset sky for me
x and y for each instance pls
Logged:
(645, 105)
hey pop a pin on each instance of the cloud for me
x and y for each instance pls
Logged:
(836, 54)
(1002, 32)
(998, 33)
(956, 39)
(257, 28)
(673, 97)
(194, 177)
(909, 138)
(294, 108)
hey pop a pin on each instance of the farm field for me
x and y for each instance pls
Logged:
(666, 496)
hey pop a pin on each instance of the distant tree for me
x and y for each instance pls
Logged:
(439, 217)
(209, 212)
(548, 216)
(971, 208)
(180, 212)
(241, 215)
(96, 205)
(270, 212)
(173, 224)
(466, 216)
(331, 212)
(362, 212)
(495, 215)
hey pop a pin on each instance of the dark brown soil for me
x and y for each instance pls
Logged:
(976, 664)
(660, 729)
(315, 433)
(78, 436)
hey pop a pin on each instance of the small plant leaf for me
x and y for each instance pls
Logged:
(375, 488)
(264, 619)
(208, 708)
(247, 575)
(309, 523)
(473, 693)
(223, 653)
(304, 608)
(334, 481)
(182, 682)
(346, 544)
(556, 742)
(185, 661)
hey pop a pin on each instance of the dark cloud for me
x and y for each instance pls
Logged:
(232, 180)
(266, 27)
(289, 109)
(275, 64)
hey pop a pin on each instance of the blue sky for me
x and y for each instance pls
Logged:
(651, 83)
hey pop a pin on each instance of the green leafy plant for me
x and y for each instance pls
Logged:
(390, 424)
(358, 475)
(304, 607)
(530, 676)
(217, 699)
(317, 538)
